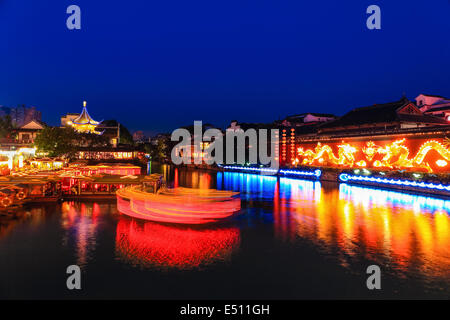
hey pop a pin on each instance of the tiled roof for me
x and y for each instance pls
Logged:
(421, 118)
(433, 95)
(381, 113)
(438, 109)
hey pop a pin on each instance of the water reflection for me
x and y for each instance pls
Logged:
(81, 220)
(252, 186)
(148, 244)
(408, 236)
(191, 179)
(10, 220)
(408, 233)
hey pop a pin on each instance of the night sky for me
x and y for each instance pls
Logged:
(158, 65)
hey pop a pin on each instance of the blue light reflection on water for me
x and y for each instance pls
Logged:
(251, 186)
(383, 197)
(255, 186)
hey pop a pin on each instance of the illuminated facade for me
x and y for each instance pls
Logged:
(29, 131)
(390, 136)
(426, 155)
(15, 158)
(116, 154)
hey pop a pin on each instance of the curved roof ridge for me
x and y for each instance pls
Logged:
(84, 117)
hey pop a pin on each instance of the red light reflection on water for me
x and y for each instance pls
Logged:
(148, 244)
(80, 221)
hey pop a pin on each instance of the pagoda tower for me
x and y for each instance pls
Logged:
(84, 123)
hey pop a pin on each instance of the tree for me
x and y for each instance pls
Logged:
(161, 150)
(158, 152)
(90, 140)
(64, 141)
(6, 127)
(125, 135)
(56, 141)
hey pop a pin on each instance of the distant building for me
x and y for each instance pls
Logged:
(309, 118)
(139, 137)
(164, 137)
(236, 126)
(67, 119)
(21, 115)
(437, 106)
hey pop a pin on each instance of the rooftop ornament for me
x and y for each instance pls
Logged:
(84, 123)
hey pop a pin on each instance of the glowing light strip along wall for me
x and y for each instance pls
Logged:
(344, 177)
(313, 173)
(316, 173)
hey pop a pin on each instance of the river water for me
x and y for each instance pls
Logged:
(293, 239)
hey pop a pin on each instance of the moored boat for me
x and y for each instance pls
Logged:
(178, 205)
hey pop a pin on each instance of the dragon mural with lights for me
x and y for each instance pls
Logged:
(393, 155)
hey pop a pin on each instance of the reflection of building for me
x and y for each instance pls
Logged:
(80, 222)
(28, 132)
(434, 105)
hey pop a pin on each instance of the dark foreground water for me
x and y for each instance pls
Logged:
(292, 239)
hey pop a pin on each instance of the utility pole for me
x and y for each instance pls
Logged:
(118, 133)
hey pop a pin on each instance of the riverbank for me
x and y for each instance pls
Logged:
(399, 180)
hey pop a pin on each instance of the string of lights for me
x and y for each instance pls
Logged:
(344, 177)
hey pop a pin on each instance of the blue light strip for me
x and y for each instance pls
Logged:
(250, 169)
(316, 173)
(344, 177)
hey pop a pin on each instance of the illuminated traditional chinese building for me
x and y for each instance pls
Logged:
(83, 123)
(391, 136)
(29, 131)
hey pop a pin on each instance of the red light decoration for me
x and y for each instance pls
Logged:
(154, 245)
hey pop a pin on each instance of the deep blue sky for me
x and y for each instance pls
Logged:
(158, 65)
